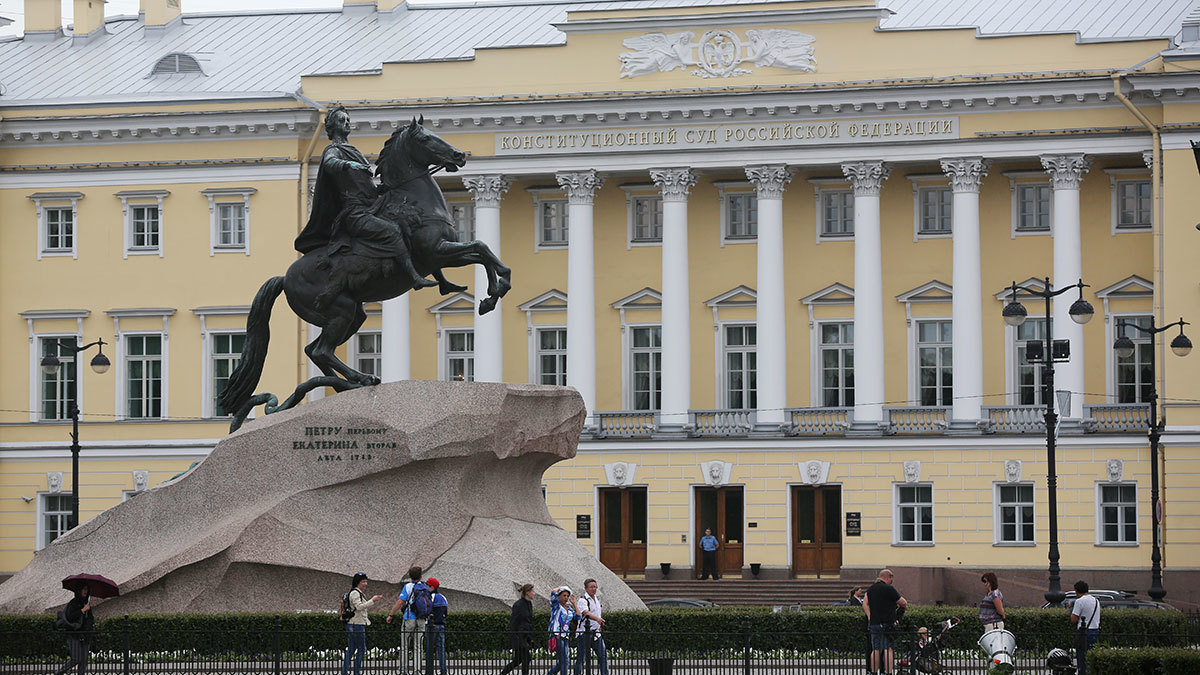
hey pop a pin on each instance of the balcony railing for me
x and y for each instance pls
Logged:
(1015, 419)
(626, 423)
(916, 419)
(720, 422)
(818, 421)
(1116, 417)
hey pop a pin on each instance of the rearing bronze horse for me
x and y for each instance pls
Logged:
(329, 284)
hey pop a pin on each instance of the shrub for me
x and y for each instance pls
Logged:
(1148, 661)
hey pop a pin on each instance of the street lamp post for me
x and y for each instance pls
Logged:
(1014, 315)
(1124, 347)
(50, 366)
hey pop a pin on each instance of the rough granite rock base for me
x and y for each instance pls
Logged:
(445, 475)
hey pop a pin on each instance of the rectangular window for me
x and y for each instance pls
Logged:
(741, 215)
(914, 511)
(1133, 204)
(1029, 375)
(56, 517)
(646, 360)
(226, 354)
(368, 353)
(1033, 207)
(647, 214)
(552, 356)
(1014, 514)
(231, 225)
(143, 372)
(463, 215)
(741, 367)
(58, 390)
(837, 213)
(1118, 514)
(60, 229)
(837, 365)
(935, 373)
(144, 226)
(460, 355)
(936, 206)
(1134, 375)
(552, 222)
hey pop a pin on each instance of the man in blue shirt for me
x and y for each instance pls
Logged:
(708, 548)
(437, 623)
(413, 626)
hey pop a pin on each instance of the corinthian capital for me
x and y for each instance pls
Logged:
(488, 190)
(581, 186)
(1066, 170)
(867, 177)
(675, 183)
(966, 173)
(769, 179)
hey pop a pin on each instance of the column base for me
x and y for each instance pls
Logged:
(867, 428)
(1074, 426)
(968, 427)
(672, 430)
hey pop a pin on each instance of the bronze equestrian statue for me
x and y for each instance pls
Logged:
(362, 244)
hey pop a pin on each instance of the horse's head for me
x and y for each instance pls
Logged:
(411, 145)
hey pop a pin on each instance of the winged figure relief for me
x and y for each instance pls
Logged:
(656, 53)
(782, 48)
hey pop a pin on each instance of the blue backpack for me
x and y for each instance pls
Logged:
(420, 602)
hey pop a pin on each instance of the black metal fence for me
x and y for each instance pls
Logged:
(274, 651)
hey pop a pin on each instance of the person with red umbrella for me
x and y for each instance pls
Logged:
(77, 617)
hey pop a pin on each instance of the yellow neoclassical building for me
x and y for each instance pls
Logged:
(769, 242)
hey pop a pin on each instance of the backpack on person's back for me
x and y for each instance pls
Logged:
(420, 601)
(346, 610)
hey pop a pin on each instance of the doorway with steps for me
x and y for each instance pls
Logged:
(816, 531)
(720, 509)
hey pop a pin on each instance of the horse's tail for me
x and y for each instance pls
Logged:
(245, 377)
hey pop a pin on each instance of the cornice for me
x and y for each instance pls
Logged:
(117, 128)
(723, 19)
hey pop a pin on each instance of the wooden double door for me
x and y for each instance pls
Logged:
(816, 530)
(722, 510)
(623, 530)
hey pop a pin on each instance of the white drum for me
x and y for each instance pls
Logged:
(996, 642)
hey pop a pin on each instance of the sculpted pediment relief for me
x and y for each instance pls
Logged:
(718, 52)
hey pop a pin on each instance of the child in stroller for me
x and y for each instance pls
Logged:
(926, 654)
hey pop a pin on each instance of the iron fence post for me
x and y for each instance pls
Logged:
(125, 644)
(428, 650)
(278, 645)
(746, 648)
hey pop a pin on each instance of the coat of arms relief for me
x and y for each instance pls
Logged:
(718, 53)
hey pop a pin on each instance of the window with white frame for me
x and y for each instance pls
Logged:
(552, 356)
(935, 207)
(1032, 207)
(54, 517)
(1014, 513)
(552, 222)
(225, 355)
(1029, 375)
(935, 372)
(60, 229)
(741, 366)
(1134, 378)
(1133, 204)
(646, 218)
(368, 353)
(1118, 513)
(837, 213)
(144, 227)
(645, 353)
(837, 364)
(460, 355)
(231, 226)
(144, 376)
(741, 215)
(914, 514)
(229, 219)
(57, 390)
(463, 215)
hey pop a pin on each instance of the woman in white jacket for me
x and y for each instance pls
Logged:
(356, 627)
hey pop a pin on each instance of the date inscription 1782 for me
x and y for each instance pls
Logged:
(345, 441)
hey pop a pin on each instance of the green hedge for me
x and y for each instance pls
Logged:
(682, 630)
(1149, 661)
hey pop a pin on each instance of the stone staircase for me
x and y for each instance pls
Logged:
(746, 591)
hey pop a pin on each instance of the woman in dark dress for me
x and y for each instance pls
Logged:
(78, 614)
(520, 631)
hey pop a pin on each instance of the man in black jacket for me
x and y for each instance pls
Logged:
(81, 624)
(881, 604)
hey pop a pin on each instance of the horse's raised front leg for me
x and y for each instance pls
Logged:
(458, 254)
(444, 286)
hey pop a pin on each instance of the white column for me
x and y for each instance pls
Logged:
(965, 174)
(676, 314)
(770, 308)
(396, 341)
(489, 328)
(1066, 172)
(581, 189)
(867, 178)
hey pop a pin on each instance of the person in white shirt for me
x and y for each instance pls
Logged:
(1085, 614)
(356, 627)
(590, 625)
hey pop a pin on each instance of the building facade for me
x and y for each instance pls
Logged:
(768, 242)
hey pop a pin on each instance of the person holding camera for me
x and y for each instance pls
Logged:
(883, 604)
(356, 627)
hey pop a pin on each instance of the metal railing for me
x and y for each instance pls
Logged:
(1015, 419)
(626, 423)
(720, 422)
(818, 421)
(916, 419)
(1117, 417)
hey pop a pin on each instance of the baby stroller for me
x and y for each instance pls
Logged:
(927, 657)
(1058, 661)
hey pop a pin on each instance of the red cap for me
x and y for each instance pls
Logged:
(433, 583)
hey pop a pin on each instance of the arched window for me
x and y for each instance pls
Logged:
(176, 63)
